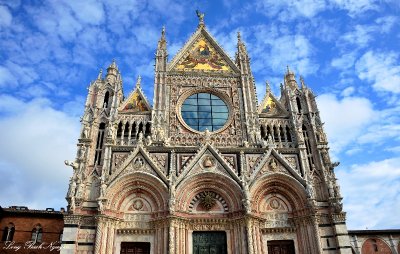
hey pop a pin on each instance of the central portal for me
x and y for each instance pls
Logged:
(209, 242)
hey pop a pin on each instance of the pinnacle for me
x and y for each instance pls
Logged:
(268, 87)
(113, 65)
(138, 82)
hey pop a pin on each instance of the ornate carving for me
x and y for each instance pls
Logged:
(138, 205)
(207, 200)
(208, 162)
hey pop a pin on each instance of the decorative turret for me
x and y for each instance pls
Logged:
(112, 72)
(290, 79)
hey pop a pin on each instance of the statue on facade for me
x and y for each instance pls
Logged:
(85, 131)
(309, 190)
(110, 132)
(82, 153)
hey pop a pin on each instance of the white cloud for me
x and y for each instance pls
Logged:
(370, 191)
(6, 17)
(355, 7)
(360, 36)
(344, 62)
(36, 139)
(348, 91)
(6, 77)
(89, 11)
(289, 9)
(272, 47)
(345, 119)
(380, 69)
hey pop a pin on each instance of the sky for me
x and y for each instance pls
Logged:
(348, 52)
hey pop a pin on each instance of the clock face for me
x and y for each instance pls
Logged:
(204, 111)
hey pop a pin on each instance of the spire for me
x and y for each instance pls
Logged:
(240, 44)
(163, 33)
(100, 76)
(162, 42)
(201, 19)
(138, 81)
(268, 87)
(161, 54)
(303, 85)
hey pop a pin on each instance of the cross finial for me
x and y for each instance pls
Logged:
(201, 18)
(163, 32)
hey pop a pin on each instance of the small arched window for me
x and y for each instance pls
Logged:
(8, 233)
(298, 104)
(99, 145)
(37, 234)
(106, 97)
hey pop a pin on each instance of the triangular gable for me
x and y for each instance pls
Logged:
(271, 106)
(135, 162)
(202, 53)
(136, 102)
(273, 162)
(208, 156)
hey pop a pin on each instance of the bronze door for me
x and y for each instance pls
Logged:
(135, 248)
(281, 247)
(209, 242)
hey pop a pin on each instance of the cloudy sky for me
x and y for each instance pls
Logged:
(347, 50)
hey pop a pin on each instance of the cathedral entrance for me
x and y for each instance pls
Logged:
(281, 247)
(135, 248)
(209, 242)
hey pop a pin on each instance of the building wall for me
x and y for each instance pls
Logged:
(24, 221)
(375, 241)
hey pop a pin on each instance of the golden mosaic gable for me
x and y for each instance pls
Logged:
(135, 103)
(269, 106)
(202, 56)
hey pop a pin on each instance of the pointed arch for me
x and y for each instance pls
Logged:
(99, 153)
(123, 193)
(375, 245)
(224, 186)
(292, 191)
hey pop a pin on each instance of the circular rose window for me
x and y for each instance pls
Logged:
(203, 111)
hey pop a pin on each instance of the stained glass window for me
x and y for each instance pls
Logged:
(203, 111)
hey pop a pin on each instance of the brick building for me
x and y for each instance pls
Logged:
(24, 230)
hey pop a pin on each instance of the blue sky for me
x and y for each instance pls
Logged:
(347, 50)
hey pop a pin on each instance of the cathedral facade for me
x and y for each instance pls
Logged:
(205, 168)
